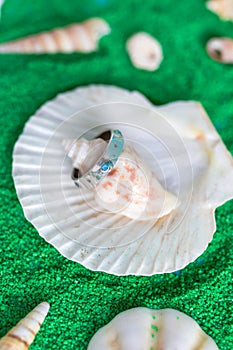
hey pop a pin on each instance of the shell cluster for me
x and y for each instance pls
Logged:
(78, 37)
(142, 328)
(134, 198)
(187, 160)
(22, 335)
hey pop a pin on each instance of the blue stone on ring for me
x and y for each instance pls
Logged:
(105, 167)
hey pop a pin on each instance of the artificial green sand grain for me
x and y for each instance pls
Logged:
(33, 271)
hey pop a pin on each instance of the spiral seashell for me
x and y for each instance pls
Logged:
(223, 8)
(144, 51)
(142, 328)
(80, 37)
(220, 49)
(131, 189)
(22, 335)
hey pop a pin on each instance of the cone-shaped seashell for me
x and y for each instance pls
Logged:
(22, 335)
(133, 190)
(144, 51)
(180, 146)
(220, 49)
(223, 8)
(80, 37)
(142, 328)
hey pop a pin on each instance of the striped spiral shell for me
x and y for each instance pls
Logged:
(80, 37)
(22, 335)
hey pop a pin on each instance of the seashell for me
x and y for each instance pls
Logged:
(220, 49)
(1, 4)
(179, 144)
(80, 37)
(223, 8)
(22, 335)
(143, 328)
(144, 51)
(131, 189)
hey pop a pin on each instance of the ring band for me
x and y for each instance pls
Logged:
(104, 164)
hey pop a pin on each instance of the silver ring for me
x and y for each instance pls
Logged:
(103, 165)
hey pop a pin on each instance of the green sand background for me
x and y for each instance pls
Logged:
(32, 270)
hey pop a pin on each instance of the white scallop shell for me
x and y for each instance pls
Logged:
(144, 51)
(146, 329)
(182, 148)
(223, 8)
(22, 335)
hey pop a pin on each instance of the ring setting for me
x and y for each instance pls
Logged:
(103, 165)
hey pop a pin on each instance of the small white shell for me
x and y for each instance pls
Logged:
(22, 335)
(220, 49)
(144, 51)
(80, 37)
(146, 329)
(182, 148)
(223, 8)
